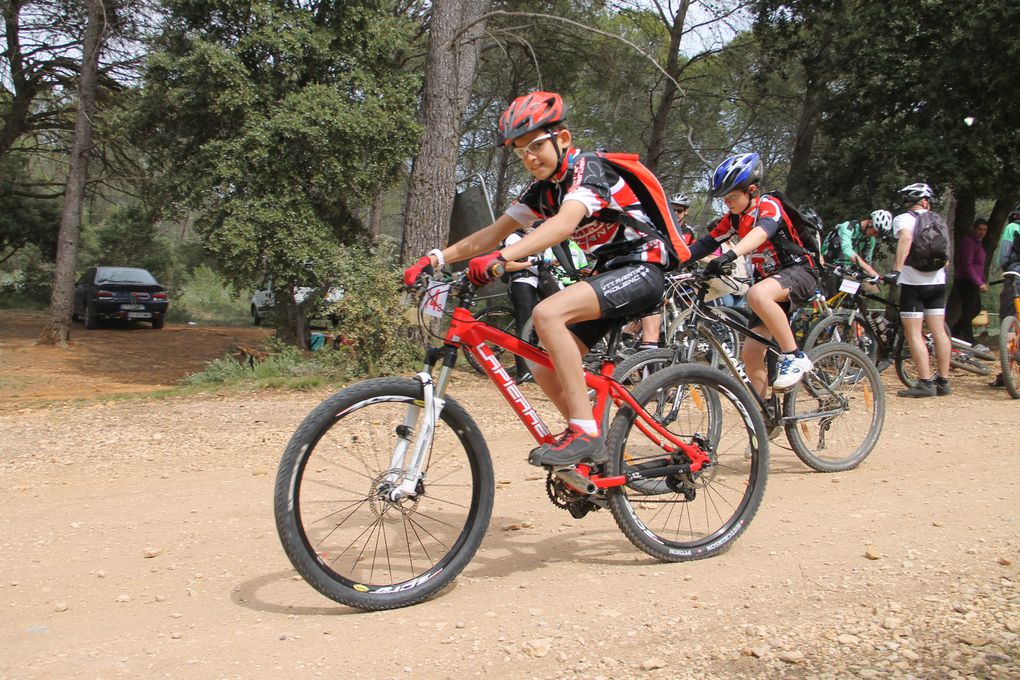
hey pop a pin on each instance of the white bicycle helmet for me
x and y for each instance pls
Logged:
(916, 191)
(881, 221)
(680, 199)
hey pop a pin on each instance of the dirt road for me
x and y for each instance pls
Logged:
(113, 359)
(137, 540)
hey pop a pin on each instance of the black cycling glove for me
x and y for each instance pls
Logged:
(718, 266)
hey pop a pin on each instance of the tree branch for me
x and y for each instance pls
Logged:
(538, 15)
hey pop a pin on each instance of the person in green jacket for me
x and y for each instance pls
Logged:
(853, 242)
(1009, 260)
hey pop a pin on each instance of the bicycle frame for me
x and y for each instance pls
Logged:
(769, 407)
(472, 336)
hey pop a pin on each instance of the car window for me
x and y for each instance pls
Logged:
(124, 275)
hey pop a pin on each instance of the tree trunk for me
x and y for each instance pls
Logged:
(450, 72)
(58, 328)
(375, 217)
(670, 90)
(799, 179)
(294, 327)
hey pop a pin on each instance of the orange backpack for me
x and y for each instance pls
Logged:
(654, 203)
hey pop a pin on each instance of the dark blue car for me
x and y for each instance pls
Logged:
(125, 293)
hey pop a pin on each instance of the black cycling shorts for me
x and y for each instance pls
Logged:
(800, 281)
(916, 301)
(625, 292)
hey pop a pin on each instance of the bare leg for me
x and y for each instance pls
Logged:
(943, 343)
(651, 326)
(764, 298)
(753, 355)
(551, 316)
(918, 350)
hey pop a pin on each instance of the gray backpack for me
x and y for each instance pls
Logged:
(929, 249)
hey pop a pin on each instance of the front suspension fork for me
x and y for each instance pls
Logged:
(405, 474)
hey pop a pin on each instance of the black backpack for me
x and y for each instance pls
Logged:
(929, 249)
(832, 245)
(808, 232)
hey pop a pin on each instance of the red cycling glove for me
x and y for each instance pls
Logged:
(412, 273)
(480, 268)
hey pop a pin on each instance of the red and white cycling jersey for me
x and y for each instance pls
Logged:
(605, 197)
(765, 212)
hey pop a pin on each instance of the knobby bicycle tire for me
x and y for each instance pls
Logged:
(838, 329)
(1009, 355)
(332, 514)
(700, 514)
(834, 415)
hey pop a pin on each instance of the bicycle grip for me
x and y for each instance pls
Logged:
(497, 269)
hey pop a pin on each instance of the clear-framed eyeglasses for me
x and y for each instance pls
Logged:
(532, 147)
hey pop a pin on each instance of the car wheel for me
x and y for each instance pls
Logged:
(255, 318)
(157, 323)
(91, 318)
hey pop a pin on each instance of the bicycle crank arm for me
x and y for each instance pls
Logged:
(576, 481)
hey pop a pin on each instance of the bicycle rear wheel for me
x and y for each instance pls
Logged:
(334, 517)
(906, 371)
(834, 416)
(503, 319)
(695, 515)
(1009, 355)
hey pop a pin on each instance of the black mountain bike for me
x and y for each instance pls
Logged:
(833, 418)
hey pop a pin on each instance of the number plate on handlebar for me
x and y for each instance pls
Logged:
(433, 302)
(849, 286)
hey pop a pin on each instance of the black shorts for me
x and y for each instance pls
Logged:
(916, 301)
(800, 281)
(627, 292)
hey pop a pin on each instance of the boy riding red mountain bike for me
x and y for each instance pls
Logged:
(582, 197)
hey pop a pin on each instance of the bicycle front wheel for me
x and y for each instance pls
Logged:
(1009, 355)
(334, 515)
(689, 516)
(834, 416)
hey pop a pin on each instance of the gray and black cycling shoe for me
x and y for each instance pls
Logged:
(923, 388)
(574, 446)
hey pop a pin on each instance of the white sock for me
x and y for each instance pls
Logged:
(589, 426)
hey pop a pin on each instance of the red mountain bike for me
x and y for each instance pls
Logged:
(385, 491)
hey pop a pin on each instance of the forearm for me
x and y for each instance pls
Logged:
(863, 264)
(551, 232)
(482, 241)
(750, 243)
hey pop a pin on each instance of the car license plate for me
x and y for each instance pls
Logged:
(139, 315)
(132, 307)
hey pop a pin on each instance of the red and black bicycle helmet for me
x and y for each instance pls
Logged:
(530, 112)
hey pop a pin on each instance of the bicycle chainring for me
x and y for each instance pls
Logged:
(564, 498)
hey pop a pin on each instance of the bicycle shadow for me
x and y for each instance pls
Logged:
(271, 593)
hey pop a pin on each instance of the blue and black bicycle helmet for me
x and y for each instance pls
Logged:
(736, 172)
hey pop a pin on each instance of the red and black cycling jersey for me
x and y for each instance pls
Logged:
(605, 196)
(771, 256)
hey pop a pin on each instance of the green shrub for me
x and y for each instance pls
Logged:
(373, 317)
(205, 297)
